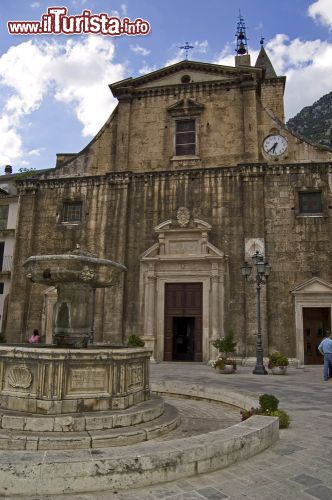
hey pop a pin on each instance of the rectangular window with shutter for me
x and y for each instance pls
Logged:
(310, 202)
(185, 137)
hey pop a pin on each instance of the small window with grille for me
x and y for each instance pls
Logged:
(185, 137)
(3, 216)
(310, 202)
(72, 212)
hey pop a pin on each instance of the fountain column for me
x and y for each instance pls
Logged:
(73, 314)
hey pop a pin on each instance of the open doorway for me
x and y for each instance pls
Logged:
(183, 338)
(183, 322)
(316, 322)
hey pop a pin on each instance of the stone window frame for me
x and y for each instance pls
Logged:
(185, 110)
(4, 219)
(61, 207)
(306, 189)
(182, 120)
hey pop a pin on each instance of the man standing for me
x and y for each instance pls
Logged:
(325, 348)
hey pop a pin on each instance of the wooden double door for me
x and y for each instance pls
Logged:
(316, 322)
(183, 322)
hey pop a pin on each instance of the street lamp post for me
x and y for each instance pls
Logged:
(263, 270)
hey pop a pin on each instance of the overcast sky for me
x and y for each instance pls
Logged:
(54, 94)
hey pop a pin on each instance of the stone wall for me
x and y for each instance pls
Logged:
(120, 213)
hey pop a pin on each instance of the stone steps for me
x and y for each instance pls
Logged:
(73, 472)
(80, 422)
(92, 438)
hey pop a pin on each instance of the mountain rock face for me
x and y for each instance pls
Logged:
(315, 122)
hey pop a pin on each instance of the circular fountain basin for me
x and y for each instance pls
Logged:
(56, 381)
(74, 267)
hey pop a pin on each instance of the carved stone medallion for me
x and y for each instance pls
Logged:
(183, 216)
(87, 274)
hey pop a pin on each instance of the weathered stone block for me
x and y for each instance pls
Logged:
(39, 424)
(69, 424)
(69, 406)
(31, 444)
(48, 407)
(12, 422)
(117, 437)
(99, 423)
(63, 443)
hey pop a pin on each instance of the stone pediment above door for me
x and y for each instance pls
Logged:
(313, 285)
(183, 238)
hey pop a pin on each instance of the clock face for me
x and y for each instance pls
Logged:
(275, 145)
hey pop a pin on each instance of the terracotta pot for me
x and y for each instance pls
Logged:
(279, 370)
(227, 369)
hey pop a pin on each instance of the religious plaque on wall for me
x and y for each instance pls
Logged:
(252, 245)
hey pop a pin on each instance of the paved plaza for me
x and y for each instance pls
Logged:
(298, 466)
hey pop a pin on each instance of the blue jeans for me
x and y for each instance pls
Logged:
(327, 365)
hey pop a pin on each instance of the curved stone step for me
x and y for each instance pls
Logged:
(135, 434)
(79, 422)
(27, 440)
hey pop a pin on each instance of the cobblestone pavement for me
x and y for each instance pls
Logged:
(298, 466)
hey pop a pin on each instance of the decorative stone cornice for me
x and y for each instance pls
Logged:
(217, 69)
(29, 185)
(229, 76)
(277, 79)
(123, 179)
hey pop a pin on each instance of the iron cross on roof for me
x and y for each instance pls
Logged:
(186, 47)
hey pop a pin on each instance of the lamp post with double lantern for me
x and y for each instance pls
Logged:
(263, 270)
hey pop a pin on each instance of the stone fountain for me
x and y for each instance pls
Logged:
(75, 275)
(68, 377)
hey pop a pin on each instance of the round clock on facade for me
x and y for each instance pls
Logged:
(275, 145)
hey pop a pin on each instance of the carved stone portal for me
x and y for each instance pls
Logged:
(182, 254)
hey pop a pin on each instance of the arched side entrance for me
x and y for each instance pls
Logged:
(313, 313)
(184, 265)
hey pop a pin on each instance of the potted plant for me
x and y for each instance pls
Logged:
(278, 363)
(225, 346)
(268, 405)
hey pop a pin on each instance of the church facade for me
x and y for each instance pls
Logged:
(193, 172)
